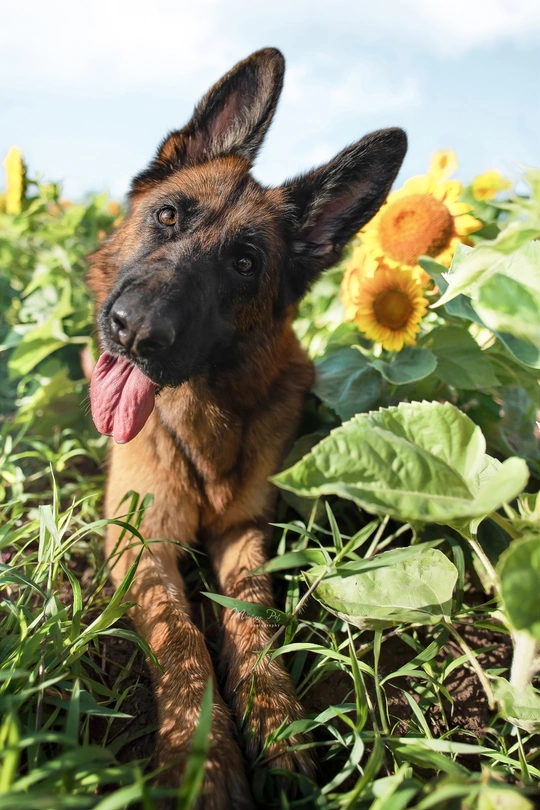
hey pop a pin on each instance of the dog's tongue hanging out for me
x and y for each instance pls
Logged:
(121, 397)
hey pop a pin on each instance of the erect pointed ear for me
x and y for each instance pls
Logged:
(231, 119)
(332, 203)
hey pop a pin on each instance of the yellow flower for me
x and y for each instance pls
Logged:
(15, 172)
(486, 185)
(424, 218)
(387, 306)
(443, 164)
(360, 266)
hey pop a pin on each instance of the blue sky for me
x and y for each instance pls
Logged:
(88, 90)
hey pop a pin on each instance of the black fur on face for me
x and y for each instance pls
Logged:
(210, 279)
(204, 269)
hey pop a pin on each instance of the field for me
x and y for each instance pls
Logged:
(406, 547)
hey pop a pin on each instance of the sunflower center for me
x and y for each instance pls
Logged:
(393, 309)
(414, 226)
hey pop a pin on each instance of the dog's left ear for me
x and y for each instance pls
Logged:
(231, 119)
(332, 203)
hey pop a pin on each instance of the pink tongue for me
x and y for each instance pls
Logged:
(121, 397)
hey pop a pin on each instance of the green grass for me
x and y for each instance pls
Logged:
(399, 717)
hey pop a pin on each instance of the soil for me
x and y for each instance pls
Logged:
(470, 711)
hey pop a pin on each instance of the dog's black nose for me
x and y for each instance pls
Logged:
(141, 335)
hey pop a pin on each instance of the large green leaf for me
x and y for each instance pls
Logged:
(44, 339)
(409, 365)
(511, 306)
(472, 267)
(504, 286)
(520, 706)
(36, 345)
(461, 362)
(461, 307)
(519, 574)
(420, 461)
(416, 590)
(346, 382)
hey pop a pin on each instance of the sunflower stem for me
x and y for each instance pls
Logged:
(523, 661)
(506, 525)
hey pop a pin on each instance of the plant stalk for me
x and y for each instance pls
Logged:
(505, 524)
(523, 661)
(482, 677)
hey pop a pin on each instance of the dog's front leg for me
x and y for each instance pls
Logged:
(162, 617)
(261, 694)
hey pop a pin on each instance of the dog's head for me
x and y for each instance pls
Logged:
(208, 262)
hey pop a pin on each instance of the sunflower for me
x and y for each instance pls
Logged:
(443, 164)
(387, 306)
(424, 218)
(487, 185)
(15, 176)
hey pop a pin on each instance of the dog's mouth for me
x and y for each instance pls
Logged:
(121, 397)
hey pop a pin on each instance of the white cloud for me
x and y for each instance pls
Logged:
(360, 86)
(452, 27)
(351, 64)
(107, 47)
(328, 98)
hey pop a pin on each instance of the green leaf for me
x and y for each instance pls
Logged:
(519, 574)
(304, 506)
(461, 362)
(461, 307)
(498, 796)
(409, 365)
(292, 559)
(264, 612)
(416, 590)
(472, 266)
(511, 306)
(35, 346)
(416, 462)
(520, 706)
(347, 383)
(458, 307)
(523, 350)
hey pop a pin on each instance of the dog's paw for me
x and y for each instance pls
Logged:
(270, 705)
(224, 785)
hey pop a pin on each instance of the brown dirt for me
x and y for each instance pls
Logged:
(470, 712)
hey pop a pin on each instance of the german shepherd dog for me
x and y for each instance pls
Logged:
(201, 382)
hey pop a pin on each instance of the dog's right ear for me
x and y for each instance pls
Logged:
(231, 119)
(332, 203)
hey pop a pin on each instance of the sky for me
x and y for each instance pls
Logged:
(89, 89)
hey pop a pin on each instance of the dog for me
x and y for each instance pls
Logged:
(201, 383)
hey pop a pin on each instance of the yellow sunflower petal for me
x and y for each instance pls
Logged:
(488, 184)
(421, 184)
(466, 224)
(448, 190)
(457, 208)
(443, 163)
(15, 171)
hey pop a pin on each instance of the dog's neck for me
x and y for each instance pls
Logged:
(208, 411)
(215, 424)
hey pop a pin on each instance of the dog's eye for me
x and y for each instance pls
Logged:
(244, 265)
(167, 216)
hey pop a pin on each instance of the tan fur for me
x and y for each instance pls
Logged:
(211, 443)
(206, 455)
